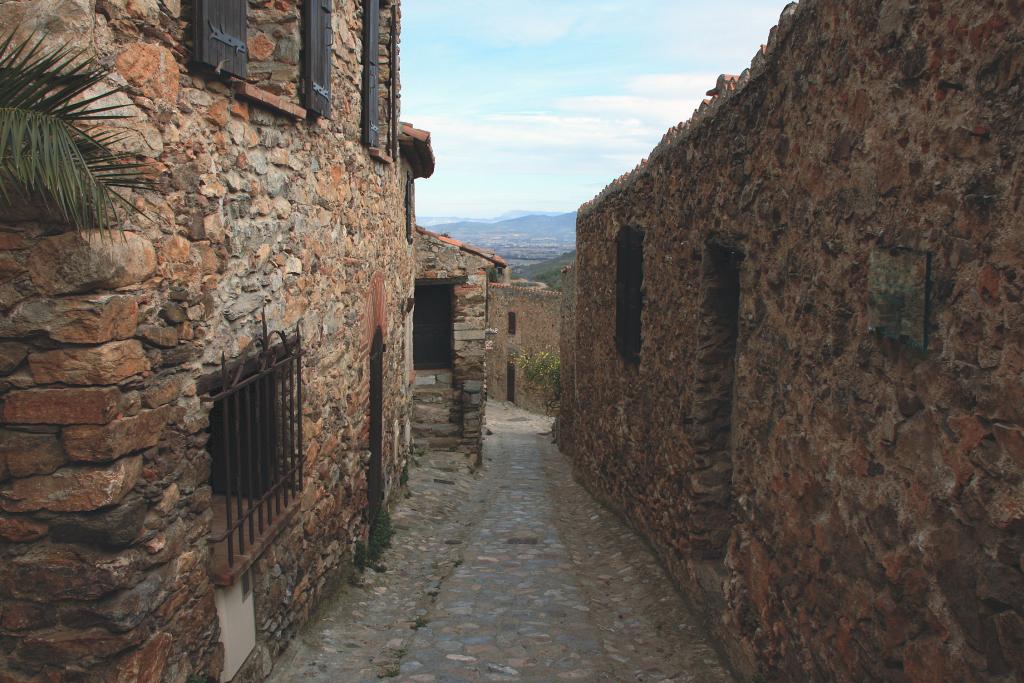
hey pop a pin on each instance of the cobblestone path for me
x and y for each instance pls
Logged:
(512, 574)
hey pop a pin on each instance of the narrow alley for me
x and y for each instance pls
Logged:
(512, 573)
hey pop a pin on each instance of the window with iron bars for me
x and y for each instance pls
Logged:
(255, 440)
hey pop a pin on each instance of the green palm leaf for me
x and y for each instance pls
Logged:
(53, 144)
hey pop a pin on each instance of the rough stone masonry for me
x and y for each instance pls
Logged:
(108, 345)
(522, 320)
(842, 492)
(448, 401)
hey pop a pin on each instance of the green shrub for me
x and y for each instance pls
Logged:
(543, 370)
(369, 554)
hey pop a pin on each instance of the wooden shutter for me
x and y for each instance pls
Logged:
(410, 203)
(629, 293)
(371, 73)
(511, 323)
(317, 37)
(220, 35)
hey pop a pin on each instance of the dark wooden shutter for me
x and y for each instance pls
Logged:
(511, 323)
(375, 475)
(220, 35)
(629, 293)
(371, 73)
(410, 203)
(317, 37)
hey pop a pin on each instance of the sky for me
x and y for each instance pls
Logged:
(538, 104)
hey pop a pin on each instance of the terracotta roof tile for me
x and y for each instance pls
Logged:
(417, 150)
(468, 248)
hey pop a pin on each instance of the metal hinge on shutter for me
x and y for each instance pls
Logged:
(318, 36)
(220, 35)
(323, 88)
(371, 73)
(234, 42)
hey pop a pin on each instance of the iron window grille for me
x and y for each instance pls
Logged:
(256, 445)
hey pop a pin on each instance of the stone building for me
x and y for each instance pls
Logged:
(798, 349)
(567, 362)
(520, 320)
(449, 325)
(202, 415)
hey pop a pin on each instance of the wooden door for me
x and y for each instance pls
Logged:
(375, 475)
(510, 382)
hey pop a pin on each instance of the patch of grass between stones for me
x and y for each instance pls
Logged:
(369, 554)
(419, 623)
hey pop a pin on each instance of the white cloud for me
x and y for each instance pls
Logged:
(651, 103)
(540, 103)
(522, 23)
(576, 147)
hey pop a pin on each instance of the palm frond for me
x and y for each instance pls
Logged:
(53, 145)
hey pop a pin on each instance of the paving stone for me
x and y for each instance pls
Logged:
(510, 574)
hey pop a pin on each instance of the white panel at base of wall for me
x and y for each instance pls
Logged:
(237, 625)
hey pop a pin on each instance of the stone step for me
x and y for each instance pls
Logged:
(435, 428)
(429, 378)
(438, 442)
(434, 391)
(431, 412)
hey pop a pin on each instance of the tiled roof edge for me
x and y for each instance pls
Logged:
(526, 290)
(468, 248)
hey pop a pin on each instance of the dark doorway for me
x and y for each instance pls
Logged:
(432, 327)
(375, 476)
(714, 379)
(510, 382)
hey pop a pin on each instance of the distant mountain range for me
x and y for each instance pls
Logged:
(430, 221)
(519, 236)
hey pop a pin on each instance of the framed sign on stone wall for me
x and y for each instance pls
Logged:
(899, 284)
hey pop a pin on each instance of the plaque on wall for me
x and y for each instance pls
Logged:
(899, 281)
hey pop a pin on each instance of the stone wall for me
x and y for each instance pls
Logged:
(845, 506)
(538, 318)
(108, 345)
(567, 360)
(459, 393)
